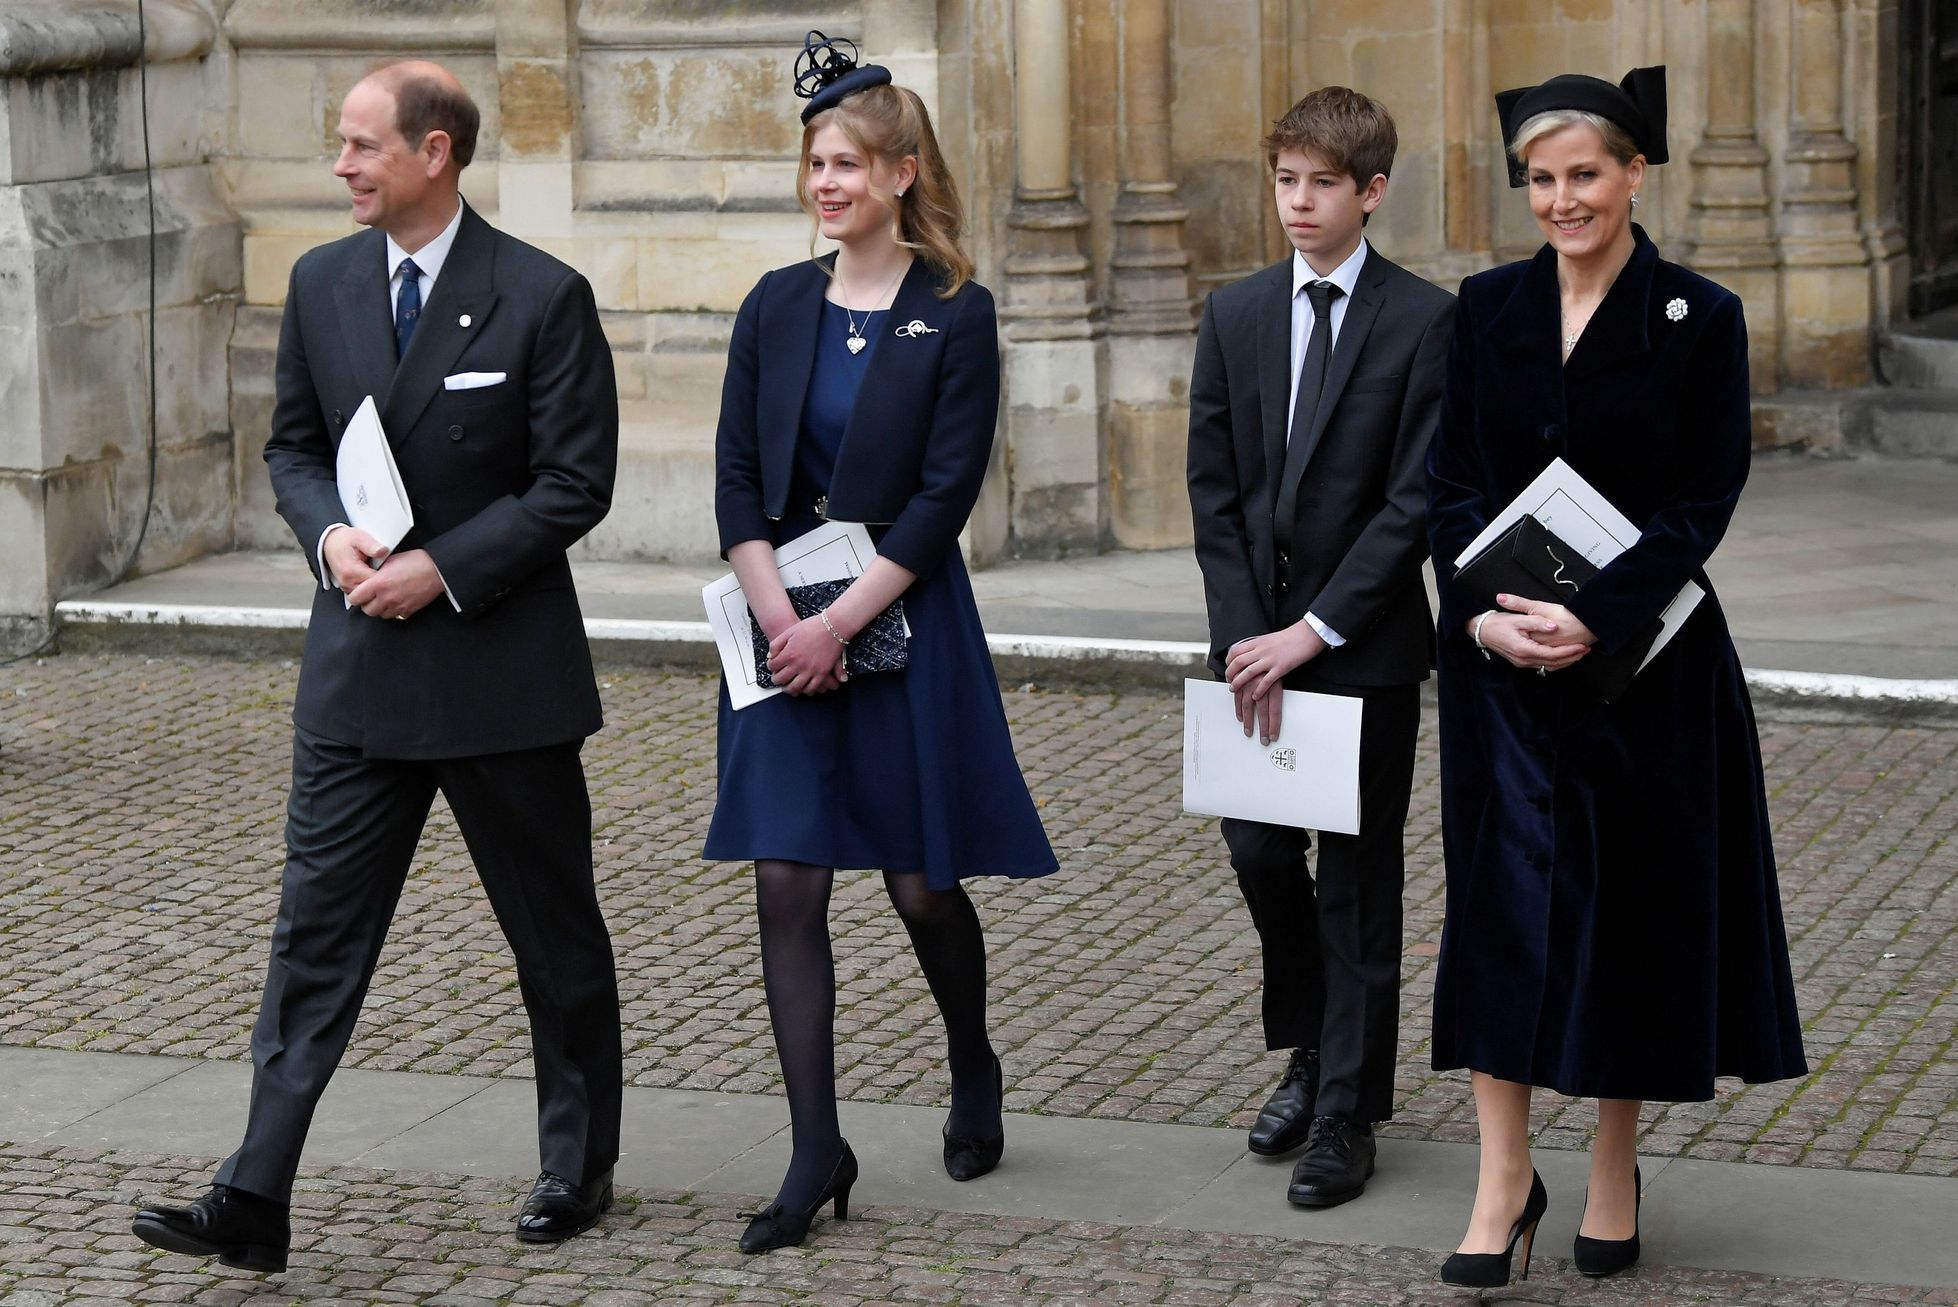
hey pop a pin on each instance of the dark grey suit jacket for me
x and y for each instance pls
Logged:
(503, 480)
(1358, 533)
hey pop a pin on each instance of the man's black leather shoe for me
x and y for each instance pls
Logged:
(1338, 1159)
(558, 1209)
(1286, 1118)
(237, 1228)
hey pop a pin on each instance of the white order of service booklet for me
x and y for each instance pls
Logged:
(1589, 523)
(1308, 777)
(834, 551)
(370, 483)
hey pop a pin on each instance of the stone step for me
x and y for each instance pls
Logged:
(1922, 353)
(1905, 422)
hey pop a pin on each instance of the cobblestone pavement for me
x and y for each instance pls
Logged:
(372, 1237)
(140, 812)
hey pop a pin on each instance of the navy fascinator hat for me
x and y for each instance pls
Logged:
(825, 74)
(1637, 104)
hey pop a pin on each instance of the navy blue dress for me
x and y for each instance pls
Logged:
(909, 771)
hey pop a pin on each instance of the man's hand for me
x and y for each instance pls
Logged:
(1535, 635)
(401, 587)
(351, 556)
(806, 659)
(1256, 669)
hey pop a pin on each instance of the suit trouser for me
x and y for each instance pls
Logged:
(1332, 947)
(352, 824)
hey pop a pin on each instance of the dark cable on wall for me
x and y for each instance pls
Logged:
(149, 186)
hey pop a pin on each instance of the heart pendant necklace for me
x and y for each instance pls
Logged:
(856, 342)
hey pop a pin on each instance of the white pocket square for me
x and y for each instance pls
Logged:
(473, 380)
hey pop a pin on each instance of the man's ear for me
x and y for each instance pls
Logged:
(437, 151)
(1373, 193)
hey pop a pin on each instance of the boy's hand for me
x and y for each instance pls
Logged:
(1258, 666)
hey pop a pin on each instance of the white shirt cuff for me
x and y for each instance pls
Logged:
(453, 602)
(319, 552)
(1332, 638)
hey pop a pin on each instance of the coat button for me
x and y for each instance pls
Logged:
(1541, 802)
(455, 433)
(1552, 431)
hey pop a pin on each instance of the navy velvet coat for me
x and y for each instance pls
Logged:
(1613, 920)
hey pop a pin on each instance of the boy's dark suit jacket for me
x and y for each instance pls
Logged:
(914, 454)
(502, 479)
(1358, 534)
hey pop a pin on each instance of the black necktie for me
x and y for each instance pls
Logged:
(1305, 410)
(407, 307)
(1312, 368)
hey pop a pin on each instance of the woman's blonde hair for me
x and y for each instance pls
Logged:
(1618, 142)
(889, 123)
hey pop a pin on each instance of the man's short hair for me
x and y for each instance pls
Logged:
(424, 104)
(1346, 131)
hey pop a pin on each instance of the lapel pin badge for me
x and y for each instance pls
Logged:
(915, 327)
(1675, 310)
(464, 320)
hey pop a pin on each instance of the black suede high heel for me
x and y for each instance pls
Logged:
(1491, 1270)
(969, 1158)
(1600, 1257)
(775, 1226)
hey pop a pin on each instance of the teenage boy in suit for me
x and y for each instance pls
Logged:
(458, 662)
(1316, 388)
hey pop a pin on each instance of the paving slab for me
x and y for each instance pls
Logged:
(1054, 1168)
(1854, 1226)
(1850, 1224)
(669, 1138)
(49, 1089)
(200, 1108)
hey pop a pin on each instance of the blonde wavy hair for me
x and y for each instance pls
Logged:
(890, 123)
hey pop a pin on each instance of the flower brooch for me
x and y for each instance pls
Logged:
(1675, 310)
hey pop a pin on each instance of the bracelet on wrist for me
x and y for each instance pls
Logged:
(832, 630)
(1475, 633)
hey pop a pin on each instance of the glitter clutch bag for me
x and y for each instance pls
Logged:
(880, 647)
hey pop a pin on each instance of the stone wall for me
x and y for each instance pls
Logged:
(1107, 151)
(75, 473)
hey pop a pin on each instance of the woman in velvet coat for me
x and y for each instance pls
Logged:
(1613, 924)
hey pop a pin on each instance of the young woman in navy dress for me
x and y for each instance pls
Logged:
(864, 387)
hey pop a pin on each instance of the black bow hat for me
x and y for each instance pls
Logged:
(1637, 104)
(824, 74)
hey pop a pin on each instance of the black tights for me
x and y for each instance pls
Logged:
(799, 975)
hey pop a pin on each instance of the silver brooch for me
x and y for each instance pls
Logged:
(1676, 310)
(916, 327)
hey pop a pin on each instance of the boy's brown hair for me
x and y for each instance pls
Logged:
(1343, 129)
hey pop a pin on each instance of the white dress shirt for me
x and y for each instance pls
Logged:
(428, 261)
(1345, 276)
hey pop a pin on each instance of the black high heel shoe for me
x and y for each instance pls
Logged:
(1600, 1257)
(775, 1226)
(969, 1158)
(1491, 1270)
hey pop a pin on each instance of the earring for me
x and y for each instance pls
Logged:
(900, 193)
(1634, 199)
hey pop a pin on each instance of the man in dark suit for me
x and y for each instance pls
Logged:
(457, 662)
(1315, 391)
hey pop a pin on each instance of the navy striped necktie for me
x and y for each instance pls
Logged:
(407, 307)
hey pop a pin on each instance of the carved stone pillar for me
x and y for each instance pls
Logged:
(1732, 230)
(1875, 47)
(1825, 285)
(1054, 381)
(1149, 321)
(535, 75)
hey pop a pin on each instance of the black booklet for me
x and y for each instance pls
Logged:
(1530, 560)
(879, 647)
